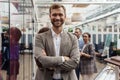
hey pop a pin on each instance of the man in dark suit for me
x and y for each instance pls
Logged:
(56, 50)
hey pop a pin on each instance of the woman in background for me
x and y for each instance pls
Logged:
(13, 68)
(87, 60)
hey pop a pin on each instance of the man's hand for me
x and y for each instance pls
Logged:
(82, 54)
(66, 58)
(43, 52)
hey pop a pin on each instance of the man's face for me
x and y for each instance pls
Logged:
(77, 33)
(57, 17)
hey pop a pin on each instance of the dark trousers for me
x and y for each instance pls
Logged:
(77, 70)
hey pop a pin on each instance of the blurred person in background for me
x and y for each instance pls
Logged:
(5, 50)
(13, 67)
(87, 59)
(78, 34)
(44, 29)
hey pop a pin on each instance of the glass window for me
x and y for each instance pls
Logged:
(115, 37)
(23, 38)
(104, 37)
(29, 38)
(105, 29)
(99, 38)
(110, 29)
(99, 30)
(115, 28)
(94, 38)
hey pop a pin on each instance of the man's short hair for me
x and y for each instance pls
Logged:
(78, 29)
(56, 6)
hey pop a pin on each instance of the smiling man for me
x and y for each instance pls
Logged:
(57, 51)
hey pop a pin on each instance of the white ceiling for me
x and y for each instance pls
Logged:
(40, 8)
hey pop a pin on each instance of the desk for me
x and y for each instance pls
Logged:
(115, 61)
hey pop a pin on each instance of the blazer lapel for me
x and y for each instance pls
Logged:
(50, 43)
(63, 37)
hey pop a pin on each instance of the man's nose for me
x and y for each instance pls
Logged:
(57, 17)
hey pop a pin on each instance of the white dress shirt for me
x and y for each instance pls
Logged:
(57, 41)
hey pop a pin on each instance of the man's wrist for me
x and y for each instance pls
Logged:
(63, 59)
(83, 54)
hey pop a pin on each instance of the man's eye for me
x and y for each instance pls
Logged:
(57, 14)
(60, 14)
(54, 14)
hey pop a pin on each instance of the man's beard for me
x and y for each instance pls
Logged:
(57, 24)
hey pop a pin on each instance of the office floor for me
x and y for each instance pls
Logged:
(25, 71)
(26, 68)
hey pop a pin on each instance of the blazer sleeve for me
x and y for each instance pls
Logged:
(45, 61)
(91, 50)
(74, 57)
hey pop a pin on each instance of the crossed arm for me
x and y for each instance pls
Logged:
(59, 62)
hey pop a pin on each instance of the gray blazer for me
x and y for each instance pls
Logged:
(69, 47)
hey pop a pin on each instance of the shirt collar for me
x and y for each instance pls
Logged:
(54, 34)
(80, 38)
